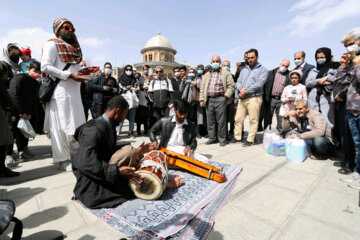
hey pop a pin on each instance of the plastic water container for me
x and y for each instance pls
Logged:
(277, 147)
(268, 138)
(295, 150)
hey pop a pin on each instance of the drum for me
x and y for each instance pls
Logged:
(153, 170)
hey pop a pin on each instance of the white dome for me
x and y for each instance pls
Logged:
(158, 41)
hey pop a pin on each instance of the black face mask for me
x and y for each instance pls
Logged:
(68, 37)
(14, 58)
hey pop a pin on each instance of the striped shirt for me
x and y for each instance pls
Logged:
(278, 85)
(215, 85)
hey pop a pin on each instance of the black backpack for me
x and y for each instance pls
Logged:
(7, 211)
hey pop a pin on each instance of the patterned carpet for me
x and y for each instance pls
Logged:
(184, 213)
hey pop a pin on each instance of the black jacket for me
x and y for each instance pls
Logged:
(165, 126)
(270, 82)
(176, 84)
(24, 91)
(98, 184)
(97, 85)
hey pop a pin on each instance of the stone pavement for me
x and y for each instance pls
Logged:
(273, 198)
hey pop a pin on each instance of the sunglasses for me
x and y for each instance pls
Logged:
(67, 28)
(158, 71)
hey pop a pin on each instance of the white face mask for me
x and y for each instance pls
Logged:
(353, 47)
(283, 69)
(177, 74)
(128, 72)
(321, 61)
(107, 71)
(191, 74)
(298, 62)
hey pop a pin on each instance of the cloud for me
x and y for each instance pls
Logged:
(317, 15)
(36, 37)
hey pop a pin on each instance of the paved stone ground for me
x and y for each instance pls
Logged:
(273, 198)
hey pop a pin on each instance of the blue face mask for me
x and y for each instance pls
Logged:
(226, 68)
(83, 67)
(200, 72)
(150, 71)
(215, 65)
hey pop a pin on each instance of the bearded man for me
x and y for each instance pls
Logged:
(61, 59)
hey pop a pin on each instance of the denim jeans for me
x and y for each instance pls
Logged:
(131, 117)
(319, 146)
(354, 124)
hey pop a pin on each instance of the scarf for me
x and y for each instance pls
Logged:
(324, 68)
(68, 53)
(126, 80)
(7, 59)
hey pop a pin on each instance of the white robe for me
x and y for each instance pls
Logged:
(65, 112)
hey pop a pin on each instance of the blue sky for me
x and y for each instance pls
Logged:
(116, 31)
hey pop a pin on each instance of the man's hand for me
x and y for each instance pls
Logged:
(356, 61)
(171, 105)
(154, 145)
(339, 99)
(202, 104)
(115, 90)
(77, 77)
(291, 113)
(144, 148)
(320, 81)
(242, 92)
(25, 116)
(292, 136)
(188, 151)
(129, 173)
(106, 88)
(238, 64)
(345, 59)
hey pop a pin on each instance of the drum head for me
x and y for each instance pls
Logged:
(151, 187)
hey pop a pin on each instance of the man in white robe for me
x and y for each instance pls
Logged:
(64, 112)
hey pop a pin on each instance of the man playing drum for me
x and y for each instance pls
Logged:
(102, 176)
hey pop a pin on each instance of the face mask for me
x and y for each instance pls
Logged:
(35, 75)
(353, 47)
(200, 72)
(226, 68)
(107, 71)
(83, 67)
(14, 58)
(150, 71)
(298, 62)
(192, 75)
(177, 74)
(128, 72)
(283, 69)
(215, 65)
(321, 61)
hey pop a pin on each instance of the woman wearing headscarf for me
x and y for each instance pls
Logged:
(128, 84)
(320, 81)
(10, 64)
(190, 90)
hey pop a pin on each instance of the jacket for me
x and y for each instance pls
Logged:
(253, 80)
(160, 92)
(98, 183)
(97, 85)
(176, 84)
(318, 126)
(24, 90)
(270, 83)
(228, 84)
(353, 94)
(342, 80)
(165, 126)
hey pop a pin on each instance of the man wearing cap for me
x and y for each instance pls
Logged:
(61, 59)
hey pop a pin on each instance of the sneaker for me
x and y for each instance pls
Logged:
(352, 177)
(10, 162)
(25, 156)
(247, 144)
(65, 165)
(355, 184)
(132, 136)
(211, 141)
(6, 172)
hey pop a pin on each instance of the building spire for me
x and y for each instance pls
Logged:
(159, 33)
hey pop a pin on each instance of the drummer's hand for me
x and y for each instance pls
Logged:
(188, 151)
(129, 173)
(144, 148)
(154, 145)
(77, 77)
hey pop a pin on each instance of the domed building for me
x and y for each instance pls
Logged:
(158, 52)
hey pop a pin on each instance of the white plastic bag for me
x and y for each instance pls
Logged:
(131, 98)
(25, 128)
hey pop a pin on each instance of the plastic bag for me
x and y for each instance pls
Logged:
(277, 147)
(131, 98)
(25, 128)
(296, 150)
(269, 136)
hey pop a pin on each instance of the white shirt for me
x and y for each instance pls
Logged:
(176, 138)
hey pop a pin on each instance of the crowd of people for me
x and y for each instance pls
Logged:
(319, 104)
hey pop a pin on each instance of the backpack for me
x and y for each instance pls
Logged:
(7, 211)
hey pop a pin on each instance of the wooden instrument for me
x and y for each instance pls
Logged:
(194, 166)
(89, 70)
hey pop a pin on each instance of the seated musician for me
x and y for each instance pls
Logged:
(176, 132)
(102, 177)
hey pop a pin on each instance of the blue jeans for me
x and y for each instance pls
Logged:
(131, 117)
(320, 146)
(354, 124)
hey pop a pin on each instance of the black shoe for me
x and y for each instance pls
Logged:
(234, 140)
(344, 171)
(222, 144)
(211, 141)
(247, 144)
(6, 172)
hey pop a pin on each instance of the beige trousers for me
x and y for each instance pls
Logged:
(250, 106)
(126, 156)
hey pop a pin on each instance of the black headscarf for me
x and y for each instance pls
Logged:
(126, 80)
(324, 68)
